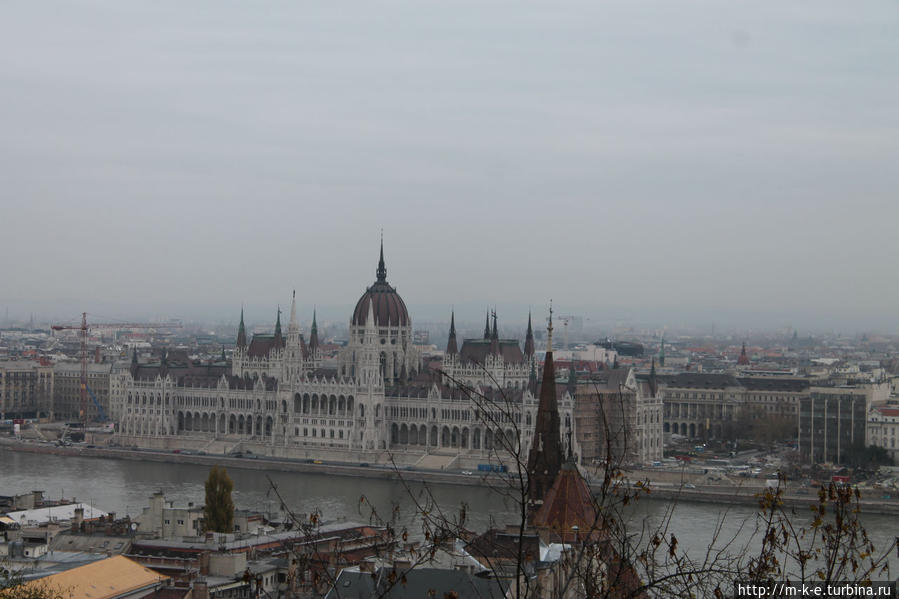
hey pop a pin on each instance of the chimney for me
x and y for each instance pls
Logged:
(204, 564)
(200, 590)
(78, 520)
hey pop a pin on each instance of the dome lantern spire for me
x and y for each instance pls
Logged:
(382, 269)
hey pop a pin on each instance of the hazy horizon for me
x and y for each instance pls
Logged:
(688, 164)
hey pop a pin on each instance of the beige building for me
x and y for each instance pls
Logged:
(26, 389)
(166, 521)
(718, 406)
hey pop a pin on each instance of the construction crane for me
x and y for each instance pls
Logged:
(84, 328)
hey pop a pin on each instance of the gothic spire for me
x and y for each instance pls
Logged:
(382, 270)
(653, 384)
(313, 335)
(529, 338)
(662, 353)
(451, 347)
(494, 337)
(743, 360)
(278, 338)
(241, 332)
(487, 325)
(545, 456)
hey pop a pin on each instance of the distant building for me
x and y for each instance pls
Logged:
(67, 390)
(26, 389)
(833, 421)
(614, 412)
(883, 429)
(166, 521)
(712, 406)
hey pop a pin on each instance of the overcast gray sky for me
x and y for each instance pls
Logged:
(668, 157)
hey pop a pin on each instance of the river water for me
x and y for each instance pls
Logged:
(125, 486)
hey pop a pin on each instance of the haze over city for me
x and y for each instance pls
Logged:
(670, 164)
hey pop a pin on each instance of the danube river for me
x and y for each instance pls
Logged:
(125, 486)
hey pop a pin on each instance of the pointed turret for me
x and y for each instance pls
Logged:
(529, 339)
(545, 456)
(653, 383)
(241, 332)
(451, 347)
(313, 335)
(279, 339)
(662, 353)
(224, 359)
(494, 337)
(487, 325)
(743, 360)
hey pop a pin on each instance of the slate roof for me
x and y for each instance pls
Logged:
(477, 350)
(262, 345)
(607, 379)
(418, 583)
(774, 384)
(495, 546)
(697, 380)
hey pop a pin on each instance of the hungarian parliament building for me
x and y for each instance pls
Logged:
(380, 397)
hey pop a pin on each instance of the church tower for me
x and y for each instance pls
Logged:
(545, 456)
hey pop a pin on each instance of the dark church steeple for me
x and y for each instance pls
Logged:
(313, 335)
(545, 456)
(241, 332)
(279, 339)
(529, 339)
(451, 347)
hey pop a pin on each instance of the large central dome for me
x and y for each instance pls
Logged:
(387, 305)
